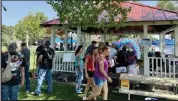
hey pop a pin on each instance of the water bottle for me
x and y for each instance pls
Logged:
(149, 98)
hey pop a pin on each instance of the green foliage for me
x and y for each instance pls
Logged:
(30, 25)
(85, 12)
(8, 34)
(167, 4)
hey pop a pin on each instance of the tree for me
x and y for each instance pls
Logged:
(8, 34)
(167, 4)
(95, 13)
(30, 25)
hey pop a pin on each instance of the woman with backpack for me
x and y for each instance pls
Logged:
(12, 67)
(79, 68)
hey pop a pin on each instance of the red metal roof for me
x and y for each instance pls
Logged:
(139, 12)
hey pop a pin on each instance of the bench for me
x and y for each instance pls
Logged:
(125, 83)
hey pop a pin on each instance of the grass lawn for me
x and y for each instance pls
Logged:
(66, 92)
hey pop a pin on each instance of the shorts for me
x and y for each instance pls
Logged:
(121, 69)
(132, 69)
(91, 73)
(99, 82)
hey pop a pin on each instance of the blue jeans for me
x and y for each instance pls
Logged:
(9, 92)
(42, 74)
(79, 76)
(27, 78)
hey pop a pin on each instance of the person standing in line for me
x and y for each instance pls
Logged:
(45, 65)
(101, 76)
(89, 70)
(121, 63)
(79, 68)
(131, 61)
(10, 89)
(26, 52)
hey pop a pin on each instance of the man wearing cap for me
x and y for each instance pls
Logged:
(45, 65)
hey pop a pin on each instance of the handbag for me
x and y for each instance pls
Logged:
(6, 73)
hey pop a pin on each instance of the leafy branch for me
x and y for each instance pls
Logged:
(95, 13)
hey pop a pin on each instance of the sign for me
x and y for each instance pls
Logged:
(125, 84)
(68, 57)
(145, 42)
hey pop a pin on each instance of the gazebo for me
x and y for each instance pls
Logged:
(142, 19)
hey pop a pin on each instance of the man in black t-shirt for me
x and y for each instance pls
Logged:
(10, 89)
(45, 58)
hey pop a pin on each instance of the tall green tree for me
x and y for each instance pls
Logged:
(30, 25)
(8, 34)
(167, 4)
(95, 13)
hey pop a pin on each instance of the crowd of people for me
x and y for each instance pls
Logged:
(99, 59)
(15, 65)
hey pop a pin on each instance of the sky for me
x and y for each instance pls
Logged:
(16, 10)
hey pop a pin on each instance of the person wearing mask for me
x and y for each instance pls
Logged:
(45, 65)
(121, 63)
(26, 52)
(89, 70)
(101, 76)
(79, 68)
(14, 59)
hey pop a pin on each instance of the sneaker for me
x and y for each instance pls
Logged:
(78, 91)
(81, 88)
(35, 94)
(84, 98)
(27, 92)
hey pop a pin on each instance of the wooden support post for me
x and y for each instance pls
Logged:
(66, 40)
(53, 38)
(176, 41)
(78, 35)
(146, 67)
(162, 42)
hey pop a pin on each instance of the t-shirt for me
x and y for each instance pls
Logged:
(113, 52)
(26, 53)
(131, 58)
(78, 59)
(48, 55)
(121, 59)
(16, 77)
(90, 63)
(89, 49)
(38, 50)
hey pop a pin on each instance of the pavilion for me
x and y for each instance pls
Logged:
(142, 19)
